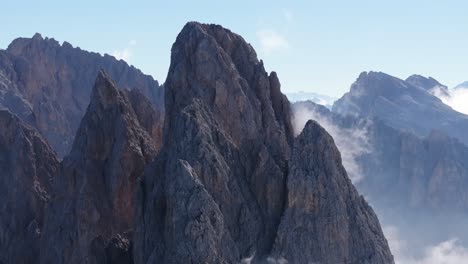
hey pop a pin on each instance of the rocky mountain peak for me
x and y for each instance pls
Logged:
(426, 83)
(105, 92)
(221, 183)
(98, 181)
(221, 69)
(318, 186)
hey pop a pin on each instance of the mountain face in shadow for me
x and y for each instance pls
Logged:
(48, 85)
(28, 167)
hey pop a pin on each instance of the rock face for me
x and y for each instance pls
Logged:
(48, 85)
(91, 216)
(221, 185)
(28, 166)
(401, 105)
(325, 219)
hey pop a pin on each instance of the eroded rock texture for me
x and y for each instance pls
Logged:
(28, 165)
(218, 187)
(325, 219)
(222, 184)
(48, 85)
(91, 217)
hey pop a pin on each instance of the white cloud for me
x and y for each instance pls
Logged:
(352, 143)
(271, 41)
(456, 98)
(125, 53)
(446, 252)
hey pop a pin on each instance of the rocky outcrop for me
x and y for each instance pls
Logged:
(325, 219)
(427, 83)
(221, 185)
(48, 85)
(401, 105)
(28, 165)
(91, 216)
(226, 134)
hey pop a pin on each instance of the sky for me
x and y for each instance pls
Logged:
(317, 46)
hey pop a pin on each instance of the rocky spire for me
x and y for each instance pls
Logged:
(28, 165)
(227, 130)
(325, 219)
(92, 214)
(218, 190)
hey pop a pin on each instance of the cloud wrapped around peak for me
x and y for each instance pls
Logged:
(456, 98)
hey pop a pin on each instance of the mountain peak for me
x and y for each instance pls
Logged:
(426, 83)
(110, 151)
(105, 90)
(37, 36)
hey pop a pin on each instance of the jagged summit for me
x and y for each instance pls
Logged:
(222, 69)
(95, 191)
(427, 83)
(317, 190)
(220, 188)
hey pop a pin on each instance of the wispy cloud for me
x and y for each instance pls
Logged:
(125, 53)
(271, 41)
(456, 98)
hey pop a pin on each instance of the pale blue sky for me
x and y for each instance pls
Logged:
(319, 46)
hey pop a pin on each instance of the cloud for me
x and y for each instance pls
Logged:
(271, 41)
(351, 142)
(446, 252)
(456, 98)
(125, 53)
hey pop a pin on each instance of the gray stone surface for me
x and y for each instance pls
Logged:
(28, 165)
(325, 219)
